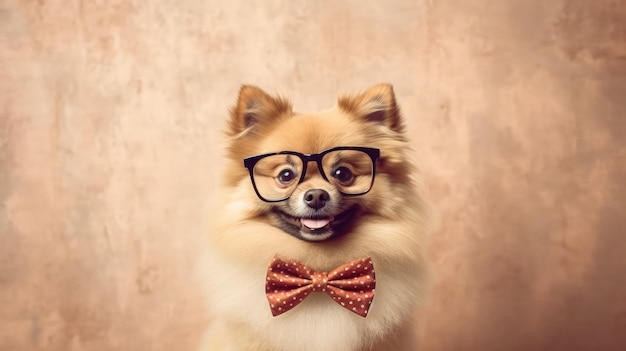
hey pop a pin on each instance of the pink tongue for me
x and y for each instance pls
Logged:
(315, 223)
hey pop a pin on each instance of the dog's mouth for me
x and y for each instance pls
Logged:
(314, 228)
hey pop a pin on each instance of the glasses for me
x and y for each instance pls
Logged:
(276, 175)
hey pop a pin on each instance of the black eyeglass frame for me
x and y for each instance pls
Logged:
(250, 162)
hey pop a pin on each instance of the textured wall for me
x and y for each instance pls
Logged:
(110, 119)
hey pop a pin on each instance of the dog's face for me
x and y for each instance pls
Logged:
(315, 176)
(314, 194)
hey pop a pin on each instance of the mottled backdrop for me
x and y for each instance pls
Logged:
(110, 124)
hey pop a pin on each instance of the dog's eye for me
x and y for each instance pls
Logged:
(286, 176)
(343, 175)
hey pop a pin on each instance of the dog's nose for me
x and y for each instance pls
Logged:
(316, 198)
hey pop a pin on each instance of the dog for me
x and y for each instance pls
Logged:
(317, 191)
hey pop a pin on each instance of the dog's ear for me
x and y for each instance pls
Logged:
(254, 107)
(376, 104)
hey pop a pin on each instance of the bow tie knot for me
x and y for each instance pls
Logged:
(319, 281)
(351, 285)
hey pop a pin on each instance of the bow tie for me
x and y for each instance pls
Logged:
(351, 285)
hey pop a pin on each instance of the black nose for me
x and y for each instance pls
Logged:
(316, 198)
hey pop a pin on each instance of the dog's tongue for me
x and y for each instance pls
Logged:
(315, 223)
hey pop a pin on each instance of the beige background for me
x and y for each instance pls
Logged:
(110, 119)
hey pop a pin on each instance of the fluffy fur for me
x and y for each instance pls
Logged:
(390, 224)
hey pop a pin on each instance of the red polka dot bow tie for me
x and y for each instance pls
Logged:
(351, 285)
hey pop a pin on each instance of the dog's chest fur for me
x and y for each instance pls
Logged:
(318, 323)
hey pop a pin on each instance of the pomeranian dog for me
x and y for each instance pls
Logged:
(305, 199)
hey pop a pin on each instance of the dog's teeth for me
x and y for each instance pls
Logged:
(315, 223)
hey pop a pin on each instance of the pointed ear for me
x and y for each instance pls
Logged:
(253, 107)
(376, 104)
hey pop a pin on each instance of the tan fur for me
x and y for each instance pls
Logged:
(391, 228)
